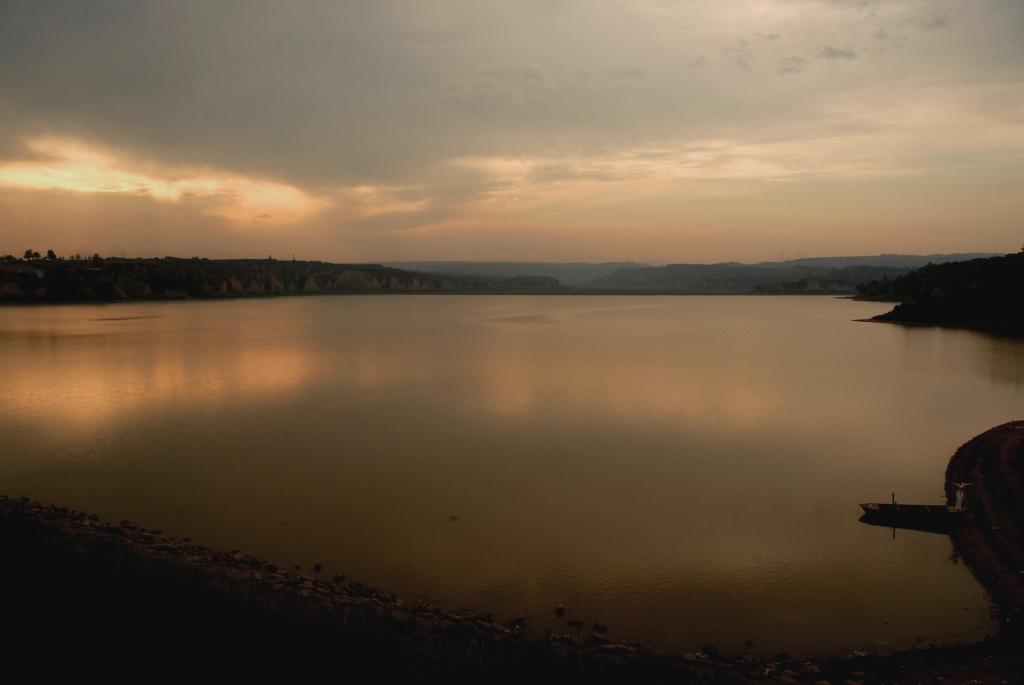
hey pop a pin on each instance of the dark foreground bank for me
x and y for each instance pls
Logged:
(72, 582)
(991, 541)
(98, 595)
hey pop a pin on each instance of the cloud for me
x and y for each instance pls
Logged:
(516, 72)
(354, 118)
(517, 84)
(829, 52)
(713, 159)
(627, 74)
(73, 166)
(740, 56)
(792, 65)
(937, 21)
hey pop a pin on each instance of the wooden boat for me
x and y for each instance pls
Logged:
(931, 518)
(910, 509)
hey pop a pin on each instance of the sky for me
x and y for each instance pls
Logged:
(555, 130)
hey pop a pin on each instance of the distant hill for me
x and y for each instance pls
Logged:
(981, 292)
(907, 261)
(41, 280)
(570, 273)
(810, 274)
(814, 274)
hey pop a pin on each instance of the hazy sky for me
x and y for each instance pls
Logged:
(654, 130)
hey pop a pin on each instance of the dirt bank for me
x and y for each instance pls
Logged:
(991, 542)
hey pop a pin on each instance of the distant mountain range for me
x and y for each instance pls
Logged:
(574, 274)
(36, 279)
(811, 274)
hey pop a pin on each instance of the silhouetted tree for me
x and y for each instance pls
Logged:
(31, 254)
(96, 259)
(51, 255)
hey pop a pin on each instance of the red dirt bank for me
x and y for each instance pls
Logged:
(991, 542)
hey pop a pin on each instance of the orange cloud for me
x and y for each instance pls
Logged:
(70, 165)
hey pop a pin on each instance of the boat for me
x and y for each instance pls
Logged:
(910, 509)
(930, 518)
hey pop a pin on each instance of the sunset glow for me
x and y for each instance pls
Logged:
(70, 165)
(660, 132)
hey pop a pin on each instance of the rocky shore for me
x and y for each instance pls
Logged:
(86, 586)
(85, 583)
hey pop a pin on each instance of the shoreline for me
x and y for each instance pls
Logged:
(58, 558)
(258, 602)
(568, 291)
(1006, 331)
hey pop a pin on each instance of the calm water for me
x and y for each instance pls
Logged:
(685, 470)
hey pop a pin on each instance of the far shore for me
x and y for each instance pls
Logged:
(568, 292)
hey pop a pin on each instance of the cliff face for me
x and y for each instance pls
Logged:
(981, 292)
(172, 278)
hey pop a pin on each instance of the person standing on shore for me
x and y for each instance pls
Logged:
(960, 488)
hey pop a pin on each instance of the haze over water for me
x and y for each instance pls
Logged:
(684, 470)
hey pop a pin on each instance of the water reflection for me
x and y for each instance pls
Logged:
(98, 373)
(1001, 358)
(683, 469)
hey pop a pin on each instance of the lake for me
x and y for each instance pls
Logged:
(685, 470)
